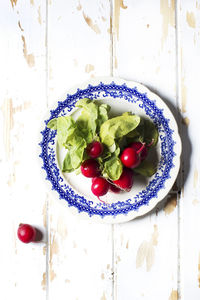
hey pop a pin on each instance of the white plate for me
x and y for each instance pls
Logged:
(75, 190)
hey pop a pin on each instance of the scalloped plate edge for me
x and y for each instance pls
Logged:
(178, 148)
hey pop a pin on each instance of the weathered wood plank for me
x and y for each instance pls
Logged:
(146, 249)
(23, 98)
(80, 252)
(189, 66)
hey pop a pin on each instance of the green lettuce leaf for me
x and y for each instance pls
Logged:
(67, 164)
(106, 153)
(87, 121)
(77, 152)
(85, 126)
(74, 156)
(103, 115)
(52, 124)
(88, 116)
(117, 151)
(146, 168)
(145, 132)
(65, 130)
(117, 127)
(150, 133)
(113, 168)
(137, 134)
(70, 137)
(93, 115)
(83, 102)
(127, 113)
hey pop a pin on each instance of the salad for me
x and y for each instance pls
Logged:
(111, 151)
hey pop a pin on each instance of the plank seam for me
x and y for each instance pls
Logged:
(178, 97)
(111, 38)
(111, 73)
(47, 198)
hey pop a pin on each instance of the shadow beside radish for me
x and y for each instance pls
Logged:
(39, 235)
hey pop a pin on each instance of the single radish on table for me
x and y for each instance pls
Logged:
(125, 182)
(90, 168)
(100, 186)
(94, 149)
(131, 158)
(26, 233)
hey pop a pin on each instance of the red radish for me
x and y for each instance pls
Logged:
(100, 186)
(94, 149)
(113, 188)
(90, 168)
(26, 233)
(130, 157)
(94, 179)
(136, 146)
(125, 182)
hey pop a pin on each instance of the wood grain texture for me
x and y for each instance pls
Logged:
(189, 66)
(23, 98)
(145, 51)
(45, 51)
(78, 52)
(79, 251)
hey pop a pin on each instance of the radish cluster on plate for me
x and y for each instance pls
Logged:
(131, 157)
(108, 150)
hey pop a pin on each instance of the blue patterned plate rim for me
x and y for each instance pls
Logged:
(170, 148)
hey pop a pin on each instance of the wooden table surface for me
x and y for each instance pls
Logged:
(46, 48)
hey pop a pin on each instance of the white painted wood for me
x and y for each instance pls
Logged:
(78, 43)
(189, 66)
(146, 250)
(153, 257)
(80, 252)
(23, 98)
